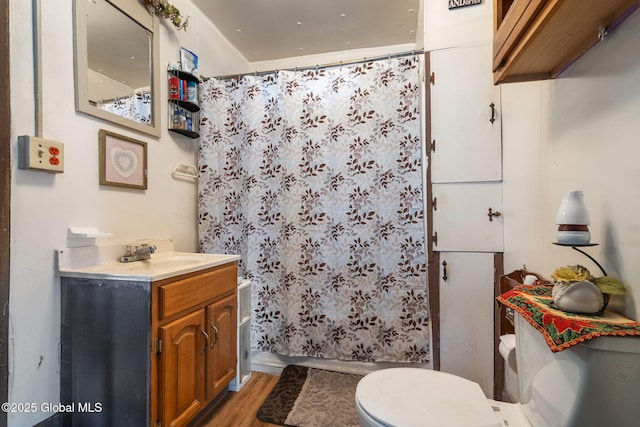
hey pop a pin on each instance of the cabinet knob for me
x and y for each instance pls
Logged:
(491, 214)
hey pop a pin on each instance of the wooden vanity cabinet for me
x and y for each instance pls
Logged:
(221, 358)
(181, 369)
(539, 39)
(150, 353)
(195, 345)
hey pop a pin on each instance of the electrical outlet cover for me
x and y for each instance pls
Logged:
(40, 154)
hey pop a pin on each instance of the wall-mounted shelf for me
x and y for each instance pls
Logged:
(86, 233)
(185, 171)
(184, 111)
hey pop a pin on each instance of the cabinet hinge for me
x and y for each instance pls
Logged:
(434, 238)
(432, 78)
(434, 203)
(158, 350)
(158, 423)
(432, 146)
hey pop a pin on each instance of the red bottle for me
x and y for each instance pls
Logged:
(174, 88)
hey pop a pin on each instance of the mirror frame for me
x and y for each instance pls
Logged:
(138, 12)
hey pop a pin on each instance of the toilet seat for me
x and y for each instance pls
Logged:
(412, 397)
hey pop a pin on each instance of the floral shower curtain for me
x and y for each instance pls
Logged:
(136, 106)
(315, 179)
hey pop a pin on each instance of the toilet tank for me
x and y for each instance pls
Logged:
(596, 383)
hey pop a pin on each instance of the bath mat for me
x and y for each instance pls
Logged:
(309, 397)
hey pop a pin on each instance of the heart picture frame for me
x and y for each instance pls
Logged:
(123, 161)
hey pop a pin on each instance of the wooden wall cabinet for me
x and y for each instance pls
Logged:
(151, 353)
(539, 39)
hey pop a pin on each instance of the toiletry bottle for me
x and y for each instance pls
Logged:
(175, 121)
(174, 87)
(192, 92)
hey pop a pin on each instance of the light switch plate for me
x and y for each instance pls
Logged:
(40, 154)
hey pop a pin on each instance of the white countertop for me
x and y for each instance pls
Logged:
(101, 262)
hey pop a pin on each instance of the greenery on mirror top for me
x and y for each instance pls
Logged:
(168, 11)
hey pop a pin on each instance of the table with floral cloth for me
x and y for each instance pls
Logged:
(560, 329)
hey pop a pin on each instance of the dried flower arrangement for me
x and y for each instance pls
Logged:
(578, 280)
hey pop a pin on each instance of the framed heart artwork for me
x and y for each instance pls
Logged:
(123, 161)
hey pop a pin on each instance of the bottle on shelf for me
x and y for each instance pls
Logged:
(192, 92)
(174, 87)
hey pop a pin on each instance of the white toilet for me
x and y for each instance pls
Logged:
(596, 383)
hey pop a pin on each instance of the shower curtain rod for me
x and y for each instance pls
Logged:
(319, 67)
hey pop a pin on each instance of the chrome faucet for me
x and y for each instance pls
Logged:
(137, 253)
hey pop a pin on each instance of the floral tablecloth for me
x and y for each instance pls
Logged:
(561, 329)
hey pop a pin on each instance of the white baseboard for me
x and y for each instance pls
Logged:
(272, 363)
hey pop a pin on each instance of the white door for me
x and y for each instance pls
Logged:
(466, 316)
(465, 119)
(468, 217)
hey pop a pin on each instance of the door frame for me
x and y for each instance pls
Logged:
(5, 203)
(433, 258)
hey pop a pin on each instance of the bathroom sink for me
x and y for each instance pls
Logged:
(162, 262)
(162, 265)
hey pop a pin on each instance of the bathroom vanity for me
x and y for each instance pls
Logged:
(149, 342)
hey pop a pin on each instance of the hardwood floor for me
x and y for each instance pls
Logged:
(238, 409)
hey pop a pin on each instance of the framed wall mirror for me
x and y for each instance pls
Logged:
(116, 63)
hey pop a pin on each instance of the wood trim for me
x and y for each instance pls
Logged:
(433, 258)
(427, 138)
(434, 308)
(5, 201)
(498, 362)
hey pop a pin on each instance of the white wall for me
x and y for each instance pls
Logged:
(578, 132)
(448, 28)
(44, 205)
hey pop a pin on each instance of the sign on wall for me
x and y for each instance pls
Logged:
(454, 4)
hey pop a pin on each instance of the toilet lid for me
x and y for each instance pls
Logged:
(410, 397)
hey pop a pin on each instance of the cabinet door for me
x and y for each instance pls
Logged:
(182, 371)
(466, 316)
(465, 119)
(461, 217)
(222, 354)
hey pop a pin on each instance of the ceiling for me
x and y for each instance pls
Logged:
(274, 29)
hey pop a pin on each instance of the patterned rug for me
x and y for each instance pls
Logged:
(309, 397)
